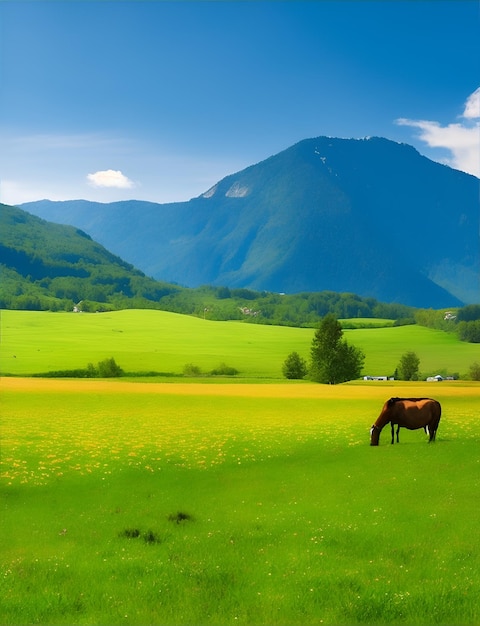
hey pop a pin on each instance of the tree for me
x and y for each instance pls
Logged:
(475, 371)
(109, 369)
(469, 313)
(407, 369)
(333, 361)
(294, 366)
(469, 331)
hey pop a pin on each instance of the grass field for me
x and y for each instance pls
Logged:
(38, 342)
(137, 503)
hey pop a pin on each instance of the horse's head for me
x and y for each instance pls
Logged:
(374, 435)
(383, 419)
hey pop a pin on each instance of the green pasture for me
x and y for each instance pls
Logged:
(141, 341)
(144, 503)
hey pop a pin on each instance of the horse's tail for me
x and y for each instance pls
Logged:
(434, 422)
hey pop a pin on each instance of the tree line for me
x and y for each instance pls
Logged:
(334, 361)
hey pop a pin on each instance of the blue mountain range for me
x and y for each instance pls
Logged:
(367, 216)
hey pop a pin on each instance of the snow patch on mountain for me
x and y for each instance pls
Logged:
(210, 192)
(237, 191)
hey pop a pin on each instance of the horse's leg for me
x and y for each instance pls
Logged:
(398, 430)
(393, 431)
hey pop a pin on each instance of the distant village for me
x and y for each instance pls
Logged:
(430, 379)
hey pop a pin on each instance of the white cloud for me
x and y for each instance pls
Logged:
(472, 106)
(462, 138)
(110, 178)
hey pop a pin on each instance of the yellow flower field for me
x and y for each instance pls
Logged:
(55, 427)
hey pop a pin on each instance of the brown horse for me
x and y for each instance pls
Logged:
(411, 413)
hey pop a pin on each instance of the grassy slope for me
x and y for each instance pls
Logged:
(34, 342)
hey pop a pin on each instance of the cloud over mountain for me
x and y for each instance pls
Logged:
(110, 178)
(460, 138)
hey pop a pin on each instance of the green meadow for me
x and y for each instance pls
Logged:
(170, 501)
(138, 503)
(145, 341)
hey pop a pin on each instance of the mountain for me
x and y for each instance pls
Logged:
(47, 266)
(51, 266)
(370, 216)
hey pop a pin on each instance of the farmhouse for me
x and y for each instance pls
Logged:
(438, 378)
(246, 311)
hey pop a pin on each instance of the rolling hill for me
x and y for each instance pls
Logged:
(45, 265)
(369, 216)
(37, 342)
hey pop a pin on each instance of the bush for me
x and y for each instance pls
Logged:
(77, 373)
(475, 371)
(224, 370)
(104, 369)
(109, 369)
(294, 367)
(191, 370)
(91, 371)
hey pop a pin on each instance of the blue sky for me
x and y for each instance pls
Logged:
(154, 100)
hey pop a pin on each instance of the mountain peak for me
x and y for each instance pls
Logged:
(368, 216)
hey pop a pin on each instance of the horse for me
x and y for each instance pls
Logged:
(411, 413)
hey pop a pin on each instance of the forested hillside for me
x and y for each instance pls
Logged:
(53, 267)
(47, 266)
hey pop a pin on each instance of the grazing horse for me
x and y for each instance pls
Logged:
(411, 413)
